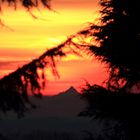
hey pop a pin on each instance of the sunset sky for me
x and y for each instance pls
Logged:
(28, 38)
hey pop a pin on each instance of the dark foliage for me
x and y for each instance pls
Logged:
(122, 107)
(116, 41)
(28, 4)
(103, 103)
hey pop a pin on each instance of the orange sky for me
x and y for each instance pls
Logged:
(30, 37)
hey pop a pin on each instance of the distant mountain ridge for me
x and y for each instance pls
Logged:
(64, 104)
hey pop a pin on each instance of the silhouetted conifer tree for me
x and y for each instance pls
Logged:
(116, 41)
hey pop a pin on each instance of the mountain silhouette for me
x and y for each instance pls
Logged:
(69, 92)
(64, 104)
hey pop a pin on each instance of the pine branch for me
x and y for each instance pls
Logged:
(27, 4)
(30, 78)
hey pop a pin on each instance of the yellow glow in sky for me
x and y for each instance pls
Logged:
(30, 37)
